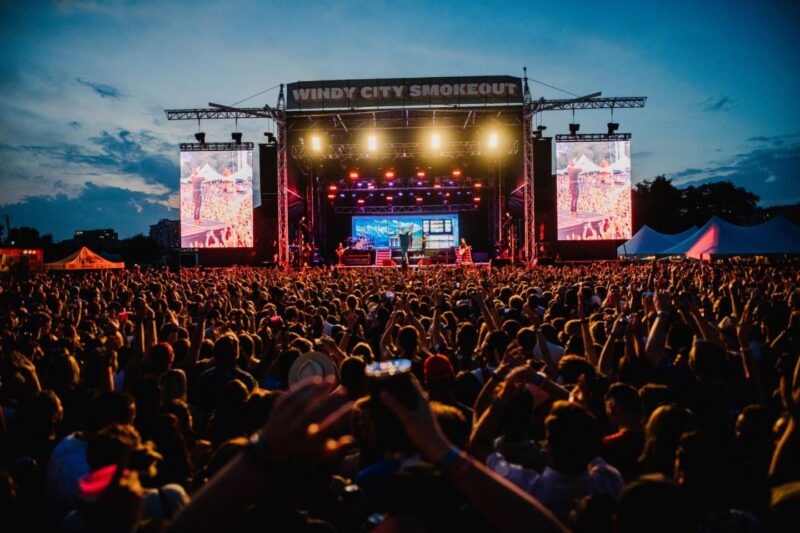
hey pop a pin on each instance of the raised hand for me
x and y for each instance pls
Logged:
(420, 424)
(303, 423)
(662, 300)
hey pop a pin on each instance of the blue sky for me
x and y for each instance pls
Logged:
(84, 142)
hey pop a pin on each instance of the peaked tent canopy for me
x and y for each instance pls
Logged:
(622, 164)
(83, 259)
(648, 241)
(587, 165)
(718, 237)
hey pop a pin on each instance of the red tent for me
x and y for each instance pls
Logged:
(83, 259)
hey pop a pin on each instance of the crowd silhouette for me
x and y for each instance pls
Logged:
(660, 396)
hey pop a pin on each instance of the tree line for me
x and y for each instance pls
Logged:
(664, 207)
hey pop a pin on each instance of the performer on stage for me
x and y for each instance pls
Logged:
(340, 252)
(197, 193)
(406, 239)
(424, 241)
(573, 173)
(463, 249)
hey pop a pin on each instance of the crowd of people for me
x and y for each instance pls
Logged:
(219, 201)
(603, 397)
(597, 194)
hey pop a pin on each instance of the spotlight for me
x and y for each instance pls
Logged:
(331, 196)
(478, 185)
(316, 143)
(372, 143)
(390, 198)
(573, 129)
(419, 199)
(389, 174)
(420, 173)
(493, 140)
(270, 137)
(539, 131)
(612, 127)
(476, 199)
(436, 141)
(332, 187)
(237, 137)
(353, 174)
(200, 136)
(456, 173)
(360, 201)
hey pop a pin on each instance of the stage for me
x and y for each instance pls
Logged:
(436, 158)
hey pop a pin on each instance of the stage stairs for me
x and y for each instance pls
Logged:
(383, 256)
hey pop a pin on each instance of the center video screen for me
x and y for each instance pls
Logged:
(379, 231)
(217, 199)
(594, 190)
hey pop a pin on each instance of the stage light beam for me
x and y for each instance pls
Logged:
(436, 141)
(316, 143)
(372, 143)
(493, 140)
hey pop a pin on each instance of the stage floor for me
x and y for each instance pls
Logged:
(437, 265)
(569, 223)
(196, 231)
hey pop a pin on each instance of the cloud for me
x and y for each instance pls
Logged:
(104, 90)
(688, 172)
(139, 162)
(96, 206)
(767, 170)
(719, 103)
(775, 140)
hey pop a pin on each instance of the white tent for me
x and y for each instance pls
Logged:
(718, 237)
(620, 165)
(648, 241)
(587, 165)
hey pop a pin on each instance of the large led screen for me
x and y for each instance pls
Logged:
(380, 231)
(594, 190)
(217, 199)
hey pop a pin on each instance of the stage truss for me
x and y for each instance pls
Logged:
(355, 151)
(385, 119)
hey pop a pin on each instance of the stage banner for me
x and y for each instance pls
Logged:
(404, 92)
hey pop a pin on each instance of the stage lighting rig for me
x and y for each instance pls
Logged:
(237, 137)
(200, 136)
(574, 128)
(270, 137)
(539, 132)
(612, 127)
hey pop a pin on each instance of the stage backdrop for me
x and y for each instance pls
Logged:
(383, 231)
(594, 190)
(217, 199)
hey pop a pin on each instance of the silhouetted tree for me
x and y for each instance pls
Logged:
(25, 237)
(657, 203)
(723, 199)
(668, 209)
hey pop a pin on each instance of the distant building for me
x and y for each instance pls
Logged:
(97, 239)
(167, 233)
